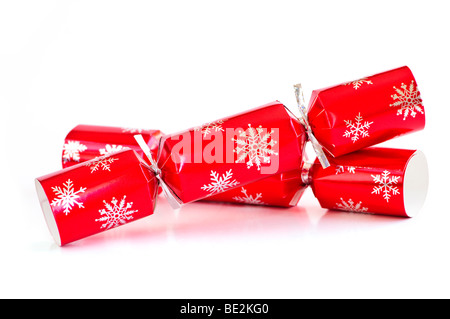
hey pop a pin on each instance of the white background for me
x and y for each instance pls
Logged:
(172, 65)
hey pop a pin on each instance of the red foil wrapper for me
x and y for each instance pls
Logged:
(283, 190)
(395, 114)
(361, 113)
(86, 142)
(231, 152)
(80, 201)
(374, 180)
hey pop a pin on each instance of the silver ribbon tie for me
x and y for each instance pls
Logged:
(318, 149)
(173, 199)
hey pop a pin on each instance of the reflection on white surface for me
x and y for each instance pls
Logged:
(204, 219)
(208, 221)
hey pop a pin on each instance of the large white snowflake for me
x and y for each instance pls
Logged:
(357, 83)
(102, 162)
(385, 185)
(249, 199)
(408, 100)
(350, 206)
(67, 197)
(114, 214)
(220, 183)
(358, 129)
(110, 149)
(254, 145)
(72, 150)
(209, 127)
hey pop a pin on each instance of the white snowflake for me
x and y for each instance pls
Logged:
(249, 199)
(132, 130)
(408, 100)
(386, 185)
(357, 83)
(358, 129)
(254, 145)
(72, 150)
(209, 127)
(66, 196)
(102, 162)
(341, 169)
(110, 149)
(115, 214)
(350, 206)
(220, 183)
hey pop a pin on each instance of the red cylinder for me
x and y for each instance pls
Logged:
(97, 195)
(374, 180)
(85, 142)
(361, 113)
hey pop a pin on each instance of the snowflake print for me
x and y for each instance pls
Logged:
(341, 169)
(209, 127)
(102, 162)
(385, 185)
(110, 149)
(408, 100)
(249, 199)
(132, 130)
(67, 197)
(220, 183)
(350, 206)
(72, 150)
(255, 144)
(114, 215)
(358, 129)
(357, 83)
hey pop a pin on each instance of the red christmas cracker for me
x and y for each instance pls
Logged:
(265, 141)
(231, 152)
(252, 157)
(374, 180)
(80, 201)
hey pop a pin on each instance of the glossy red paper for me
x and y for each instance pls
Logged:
(254, 157)
(354, 115)
(231, 152)
(387, 115)
(87, 198)
(283, 190)
(85, 142)
(369, 180)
